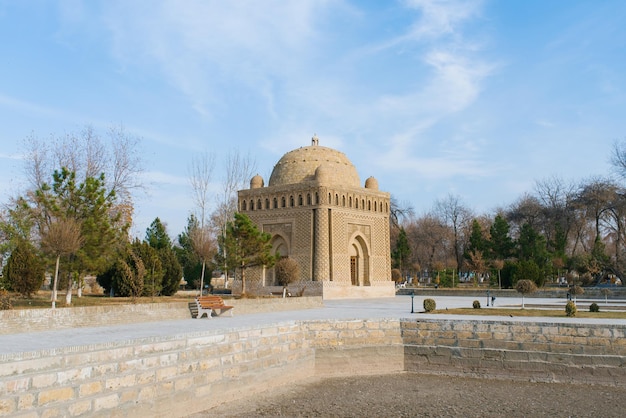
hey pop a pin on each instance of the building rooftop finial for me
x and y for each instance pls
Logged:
(315, 141)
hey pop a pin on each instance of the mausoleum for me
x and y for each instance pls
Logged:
(320, 215)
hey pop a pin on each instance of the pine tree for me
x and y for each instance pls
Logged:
(402, 252)
(158, 239)
(153, 276)
(246, 246)
(156, 235)
(187, 257)
(172, 271)
(500, 243)
(24, 270)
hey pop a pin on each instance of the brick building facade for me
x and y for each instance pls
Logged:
(320, 216)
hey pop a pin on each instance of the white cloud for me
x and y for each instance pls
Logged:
(200, 46)
(441, 17)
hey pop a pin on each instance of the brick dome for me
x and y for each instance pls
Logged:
(299, 166)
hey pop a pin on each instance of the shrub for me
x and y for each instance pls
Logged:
(24, 270)
(287, 271)
(594, 307)
(570, 308)
(396, 275)
(476, 304)
(576, 291)
(5, 300)
(429, 305)
(524, 287)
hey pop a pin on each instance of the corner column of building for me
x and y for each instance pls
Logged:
(321, 243)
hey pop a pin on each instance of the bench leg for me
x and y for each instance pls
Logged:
(204, 311)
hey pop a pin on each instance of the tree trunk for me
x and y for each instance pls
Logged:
(243, 281)
(54, 283)
(202, 278)
(68, 295)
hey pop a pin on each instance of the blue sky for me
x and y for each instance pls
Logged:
(472, 98)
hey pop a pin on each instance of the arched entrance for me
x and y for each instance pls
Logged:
(280, 248)
(359, 262)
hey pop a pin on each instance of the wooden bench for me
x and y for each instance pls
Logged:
(211, 303)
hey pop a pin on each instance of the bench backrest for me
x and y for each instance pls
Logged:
(210, 300)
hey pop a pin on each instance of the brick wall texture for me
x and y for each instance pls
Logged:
(318, 214)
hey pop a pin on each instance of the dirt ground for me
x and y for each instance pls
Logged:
(416, 395)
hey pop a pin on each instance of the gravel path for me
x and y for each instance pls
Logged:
(416, 395)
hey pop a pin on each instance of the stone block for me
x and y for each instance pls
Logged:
(129, 396)
(48, 396)
(25, 401)
(90, 389)
(78, 408)
(8, 405)
(21, 384)
(108, 402)
(520, 356)
(165, 373)
(117, 382)
(146, 394)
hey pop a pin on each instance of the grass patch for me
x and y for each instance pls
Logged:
(542, 313)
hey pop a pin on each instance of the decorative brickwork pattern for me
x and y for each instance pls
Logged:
(333, 228)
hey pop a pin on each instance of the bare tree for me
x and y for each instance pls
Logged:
(399, 212)
(477, 264)
(597, 196)
(204, 246)
(618, 157)
(559, 215)
(63, 237)
(498, 265)
(526, 210)
(126, 165)
(430, 241)
(457, 216)
(201, 171)
(238, 171)
(89, 155)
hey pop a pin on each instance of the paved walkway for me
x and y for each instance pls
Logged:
(398, 307)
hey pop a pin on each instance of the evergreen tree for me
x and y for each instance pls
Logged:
(172, 272)
(24, 271)
(529, 270)
(187, 257)
(245, 246)
(88, 204)
(402, 252)
(127, 278)
(156, 235)
(500, 243)
(153, 276)
(477, 242)
(158, 239)
(532, 246)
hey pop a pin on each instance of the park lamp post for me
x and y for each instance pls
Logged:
(412, 296)
(487, 297)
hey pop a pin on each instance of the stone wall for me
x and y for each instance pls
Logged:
(31, 320)
(535, 351)
(177, 376)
